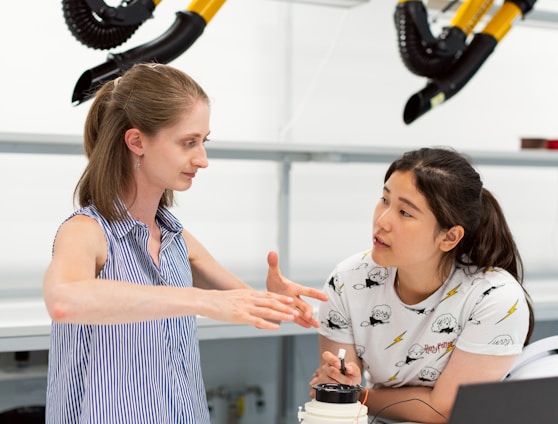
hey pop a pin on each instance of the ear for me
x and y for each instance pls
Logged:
(451, 238)
(133, 140)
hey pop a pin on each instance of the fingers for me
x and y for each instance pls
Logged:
(307, 322)
(327, 374)
(332, 369)
(273, 260)
(311, 292)
(265, 310)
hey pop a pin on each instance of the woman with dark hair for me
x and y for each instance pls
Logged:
(436, 303)
(126, 280)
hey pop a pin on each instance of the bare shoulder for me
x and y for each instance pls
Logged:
(80, 225)
(81, 234)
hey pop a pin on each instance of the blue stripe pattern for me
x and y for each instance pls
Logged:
(144, 372)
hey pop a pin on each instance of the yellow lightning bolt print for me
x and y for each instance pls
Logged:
(396, 340)
(448, 350)
(510, 311)
(451, 293)
(394, 377)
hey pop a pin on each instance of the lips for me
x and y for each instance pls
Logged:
(379, 242)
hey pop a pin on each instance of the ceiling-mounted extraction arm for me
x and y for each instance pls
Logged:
(448, 61)
(97, 25)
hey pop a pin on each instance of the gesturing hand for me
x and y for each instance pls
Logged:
(277, 283)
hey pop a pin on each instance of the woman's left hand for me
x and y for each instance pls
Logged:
(277, 283)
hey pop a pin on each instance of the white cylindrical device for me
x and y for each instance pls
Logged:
(334, 404)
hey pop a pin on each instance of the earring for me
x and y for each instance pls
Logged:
(137, 165)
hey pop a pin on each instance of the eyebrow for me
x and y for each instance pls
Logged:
(405, 200)
(196, 135)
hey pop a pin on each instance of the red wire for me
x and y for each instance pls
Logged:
(362, 406)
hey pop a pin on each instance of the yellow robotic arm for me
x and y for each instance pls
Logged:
(448, 61)
(98, 26)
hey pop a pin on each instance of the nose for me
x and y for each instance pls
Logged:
(200, 159)
(382, 218)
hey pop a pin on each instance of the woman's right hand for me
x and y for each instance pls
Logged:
(261, 309)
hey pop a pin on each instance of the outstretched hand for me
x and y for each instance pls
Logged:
(277, 283)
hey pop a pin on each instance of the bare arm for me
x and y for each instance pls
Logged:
(207, 273)
(72, 293)
(433, 405)
(420, 404)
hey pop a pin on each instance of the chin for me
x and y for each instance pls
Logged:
(379, 259)
(182, 187)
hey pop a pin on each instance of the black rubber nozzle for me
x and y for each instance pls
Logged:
(421, 102)
(440, 89)
(185, 30)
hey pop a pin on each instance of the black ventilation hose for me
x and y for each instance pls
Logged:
(441, 89)
(421, 53)
(185, 30)
(99, 26)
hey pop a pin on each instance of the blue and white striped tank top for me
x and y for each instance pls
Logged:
(145, 372)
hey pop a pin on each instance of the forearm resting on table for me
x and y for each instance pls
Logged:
(408, 404)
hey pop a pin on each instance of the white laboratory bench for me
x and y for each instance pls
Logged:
(25, 323)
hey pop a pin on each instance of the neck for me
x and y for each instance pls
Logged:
(415, 287)
(143, 206)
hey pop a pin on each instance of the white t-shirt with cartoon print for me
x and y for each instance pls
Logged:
(401, 345)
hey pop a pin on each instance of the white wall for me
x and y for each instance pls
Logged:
(349, 85)
(280, 73)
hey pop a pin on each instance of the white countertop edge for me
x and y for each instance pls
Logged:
(25, 323)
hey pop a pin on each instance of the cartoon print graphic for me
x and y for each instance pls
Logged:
(333, 283)
(428, 374)
(360, 351)
(414, 353)
(421, 311)
(484, 294)
(448, 350)
(396, 340)
(380, 315)
(392, 378)
(376, 277)
(510, 311)
(445, 323)
(425, 311)
(336, 321)
(502, 340)
(451, 293)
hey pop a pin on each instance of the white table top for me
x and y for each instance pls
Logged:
(25, 323)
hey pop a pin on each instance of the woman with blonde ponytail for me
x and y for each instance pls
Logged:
(126, 280)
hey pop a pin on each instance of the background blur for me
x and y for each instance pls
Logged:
(280, 72)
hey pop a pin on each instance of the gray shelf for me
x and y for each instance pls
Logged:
(281, 152)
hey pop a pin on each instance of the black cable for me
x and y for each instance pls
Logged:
(449, 6)
(404, 401)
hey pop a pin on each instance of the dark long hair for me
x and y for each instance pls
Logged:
(456, 196)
